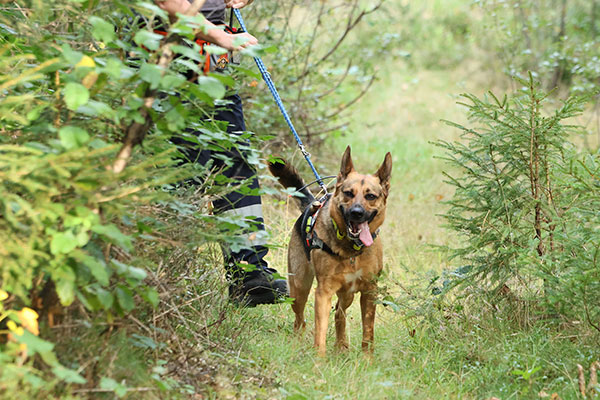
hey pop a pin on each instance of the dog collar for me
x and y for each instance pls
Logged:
(339, 235)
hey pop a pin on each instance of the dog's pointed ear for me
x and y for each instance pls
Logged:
(385, 172)
(347, 165)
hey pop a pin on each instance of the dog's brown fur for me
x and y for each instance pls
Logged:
(349, 271)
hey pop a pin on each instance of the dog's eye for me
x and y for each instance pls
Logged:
(348, 193)
(370, 196)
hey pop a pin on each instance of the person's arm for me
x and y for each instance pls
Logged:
(213, 34)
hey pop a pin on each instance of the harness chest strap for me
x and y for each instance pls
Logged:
(310, 240)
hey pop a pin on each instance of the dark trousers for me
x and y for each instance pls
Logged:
(235, 203)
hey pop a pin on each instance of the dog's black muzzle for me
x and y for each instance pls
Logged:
(356, 215)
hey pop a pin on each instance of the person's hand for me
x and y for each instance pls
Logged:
(237, 3)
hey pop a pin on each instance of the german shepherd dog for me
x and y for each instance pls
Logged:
(336, 242)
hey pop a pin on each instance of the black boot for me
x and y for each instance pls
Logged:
(258, 287)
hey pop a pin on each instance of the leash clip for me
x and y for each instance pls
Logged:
(303, 150)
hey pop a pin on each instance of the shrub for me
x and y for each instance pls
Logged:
(81, 86)
(526, 202)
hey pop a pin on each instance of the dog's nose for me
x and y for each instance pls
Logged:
(357, 212)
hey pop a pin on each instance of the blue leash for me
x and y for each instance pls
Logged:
(267, 78)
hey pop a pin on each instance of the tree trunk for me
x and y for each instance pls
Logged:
(593, 19)
(560, 68)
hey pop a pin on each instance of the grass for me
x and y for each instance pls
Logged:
(435, 362)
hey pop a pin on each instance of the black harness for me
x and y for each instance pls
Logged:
(305, 227)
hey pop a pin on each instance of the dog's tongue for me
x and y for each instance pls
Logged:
(365, 234)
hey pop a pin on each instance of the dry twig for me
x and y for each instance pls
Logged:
(581, 377)
(593, 385)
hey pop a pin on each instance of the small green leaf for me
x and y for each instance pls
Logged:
(105, 298)
(148, 39)
(35, 113)
(143, 342)
(108, 383)
(72, 137)
(111, 384)
(114, 68)
(66, 292)
(216, 50)
(172, 81)
(188, 52)
(97, 267)
(114, 235)
(82, 238)
(151, 296)
(102, 30)
(34, 343)
(70, 55)
(125, 298)
(63, 243)
(64, 278)
(75, 95)
(136, 273)
(128, 271)
(97, 108)
(151, 73)
(211, 86)
(68, 375)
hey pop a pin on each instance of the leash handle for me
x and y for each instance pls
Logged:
(267, 78)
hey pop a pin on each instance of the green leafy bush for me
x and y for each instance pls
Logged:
(85, 214)
(82, 83)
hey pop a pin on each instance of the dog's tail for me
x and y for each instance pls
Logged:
(289, 177)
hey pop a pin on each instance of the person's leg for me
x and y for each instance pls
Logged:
(247, 206)
(252, 282)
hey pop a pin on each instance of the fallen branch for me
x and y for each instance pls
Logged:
(99, 390)
(581, 379)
